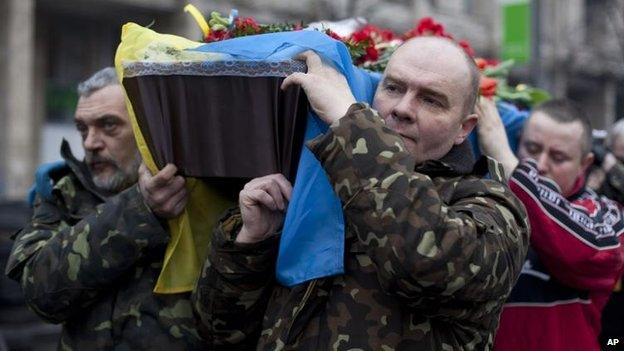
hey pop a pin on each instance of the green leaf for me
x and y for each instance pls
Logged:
(501, 70)
(217, 19)
(538, 96)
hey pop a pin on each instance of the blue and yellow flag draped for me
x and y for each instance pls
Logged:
(312, 242)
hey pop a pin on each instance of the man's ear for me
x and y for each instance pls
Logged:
(587, 161)
(467, 125)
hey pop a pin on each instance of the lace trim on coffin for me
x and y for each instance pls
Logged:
(215, 68)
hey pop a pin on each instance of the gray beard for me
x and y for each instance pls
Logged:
(121, 179)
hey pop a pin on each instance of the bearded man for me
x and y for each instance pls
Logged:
(92, 253)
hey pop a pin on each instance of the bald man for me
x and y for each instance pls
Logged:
(432, 249)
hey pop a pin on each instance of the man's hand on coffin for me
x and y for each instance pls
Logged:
(164, 192)
(327, 89)
(263, 202)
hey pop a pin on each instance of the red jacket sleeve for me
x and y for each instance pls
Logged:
(578, 239)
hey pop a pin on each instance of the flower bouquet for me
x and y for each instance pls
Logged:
(371, 47)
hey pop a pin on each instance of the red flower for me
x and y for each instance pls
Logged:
(217, 35)
(374, 33)
(387, 35)
(487, 86)
(360, 36)
(427, 26)
(481, 63)
(371, 54)
(246, 26)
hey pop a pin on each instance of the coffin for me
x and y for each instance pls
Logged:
(219, 119)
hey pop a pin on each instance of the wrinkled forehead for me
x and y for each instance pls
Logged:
(109, 100)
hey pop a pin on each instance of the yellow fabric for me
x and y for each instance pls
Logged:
(199, 18)
(191, 231)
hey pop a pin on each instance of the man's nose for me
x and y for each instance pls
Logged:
(93, 141)
(404, 111)
(543, 165)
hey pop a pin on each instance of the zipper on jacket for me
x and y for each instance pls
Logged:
(306, 296)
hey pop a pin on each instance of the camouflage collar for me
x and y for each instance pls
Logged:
(79, 168)
(458, 161)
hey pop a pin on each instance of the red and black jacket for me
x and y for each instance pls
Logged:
(575, 259)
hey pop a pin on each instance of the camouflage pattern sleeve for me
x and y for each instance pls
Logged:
(63, 267)
(435, 255)
(613, 185)
(234, 287)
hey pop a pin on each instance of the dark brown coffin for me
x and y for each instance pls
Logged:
(222, 119)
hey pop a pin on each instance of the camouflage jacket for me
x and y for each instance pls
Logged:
(431, 255)
(613, 184)
(91, 262)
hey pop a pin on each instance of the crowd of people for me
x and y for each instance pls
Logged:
(442, 251)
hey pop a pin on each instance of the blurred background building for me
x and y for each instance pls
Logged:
(48, 46)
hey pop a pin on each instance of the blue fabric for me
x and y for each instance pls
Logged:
(312, 243)
(43, 181)
(513, 120)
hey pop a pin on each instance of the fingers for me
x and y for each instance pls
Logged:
(179, 207)
(315, 66)
(143, 168)
(161, 195)
(176, 204)
(164, 193)
(144, 175)
(284, 185)
(168, 204)
(297, 78)
(279, 180)
(312, 59)
(258, 197)
(488, 113)
(276, 186)
(487, 104)
(165, 175)
(161, 180)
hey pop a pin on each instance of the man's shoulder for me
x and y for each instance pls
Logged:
(68, 196)
(487, 187)
(488, 176)
(69, 185)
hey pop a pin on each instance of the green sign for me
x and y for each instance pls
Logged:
(516, 20)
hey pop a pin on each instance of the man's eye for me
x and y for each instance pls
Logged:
(109, 126)
(532, 149)
(392, 88)
(431, 101)
(559, 159)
